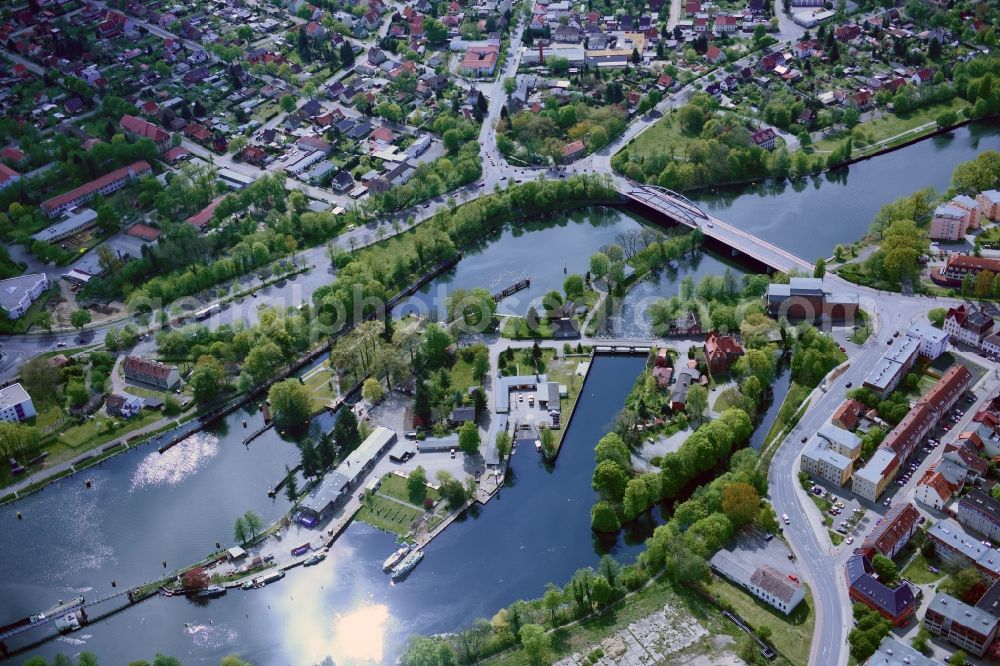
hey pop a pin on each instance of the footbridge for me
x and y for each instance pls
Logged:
(663, 203)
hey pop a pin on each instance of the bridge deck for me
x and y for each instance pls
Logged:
(683, 211)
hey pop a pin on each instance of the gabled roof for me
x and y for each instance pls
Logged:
(775, 583)
(935, 481)
(860, 577)
(895, 526)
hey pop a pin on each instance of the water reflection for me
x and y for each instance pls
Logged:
(176, 463)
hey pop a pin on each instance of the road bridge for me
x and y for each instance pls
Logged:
(739, 244)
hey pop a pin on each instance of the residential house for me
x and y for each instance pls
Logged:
(893, 365)
(153, 373)
(972, 209)
(721, 351)
(480, 61)
(15, 404)
(848, 415)
(137, 128)
(764, 138)
(862, 99)
(968, 627)
(978, 510)
(896, 603)
(933, 490)
(989, 202)
(461, 415)
(725, 24)
(123, 406)
(871, 480)
(201, 219)
(933, 341)
(714, 54)
(891, 652)
(18, 293)
(830, 454)
(968, 325)
(893, 531)
(949, 223)
(106, 184)
(8, 176)
(953, 544)
(684, 377)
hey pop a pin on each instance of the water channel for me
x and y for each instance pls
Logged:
(145, 508)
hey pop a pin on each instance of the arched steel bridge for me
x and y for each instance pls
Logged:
(682, 210)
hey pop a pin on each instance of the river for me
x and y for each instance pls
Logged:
(143, 509)
(814, 214)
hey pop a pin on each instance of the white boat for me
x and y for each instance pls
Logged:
(538, 445)
(408, 564)
(68, 622)
(396, 557)
(315, 558)
(261, 581)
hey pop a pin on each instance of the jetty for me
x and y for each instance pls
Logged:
(512, 289)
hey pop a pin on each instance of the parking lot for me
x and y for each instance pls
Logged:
(752, 549)
(843, 511)
(528, 415)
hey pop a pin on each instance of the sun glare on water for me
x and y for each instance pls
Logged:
(359, 636)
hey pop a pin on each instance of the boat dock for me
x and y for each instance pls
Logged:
(513, 289)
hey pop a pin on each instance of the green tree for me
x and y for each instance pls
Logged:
(959, 658)
(635, 500)
(603, 518)
(573, 287)
(537, 644)
(290, 404)
(345, 431)
(80, 318)
(287, 103)
(697, 402)
(423, 651)
(611, 447)
(740, 502)
(372, 390)
(416, 485)
(503, 443)
(207, 379)
(599, 264)
(552, 601)
(819, 269)
(609, 480)
(291, 486)
(468, 438)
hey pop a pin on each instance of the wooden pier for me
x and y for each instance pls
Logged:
(513, 289)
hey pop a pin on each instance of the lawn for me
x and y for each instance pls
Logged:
(791, 634)
(97, 430)
(586, 635)
(387, 514)
(664, 137)
(892, 125)
(517, 328)
(796, 395)
(461, 376)
(564, 371)
(917, 572)
(394, 485)
(23, 323)
(321, 384)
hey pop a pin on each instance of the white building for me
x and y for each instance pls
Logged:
(18, 293)
(75, 221)
(871, 480)
(15, 404)
(933, 341)
(830, 454)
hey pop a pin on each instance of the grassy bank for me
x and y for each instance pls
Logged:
(791, 634)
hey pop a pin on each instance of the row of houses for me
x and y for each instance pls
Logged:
(902, 441)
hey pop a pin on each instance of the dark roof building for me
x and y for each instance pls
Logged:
(968, 627)
(896, 604)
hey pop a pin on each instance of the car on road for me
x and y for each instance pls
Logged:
(849, 540)
(793, 577)
(768, 536)
(887, 502)
(60, 344)
(785, 518)
(848, 384)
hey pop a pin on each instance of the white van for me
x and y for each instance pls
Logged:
(785, 518)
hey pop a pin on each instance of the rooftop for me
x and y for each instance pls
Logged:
(13, 395)
(963, 614)
(12, 290)
(891, 652)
